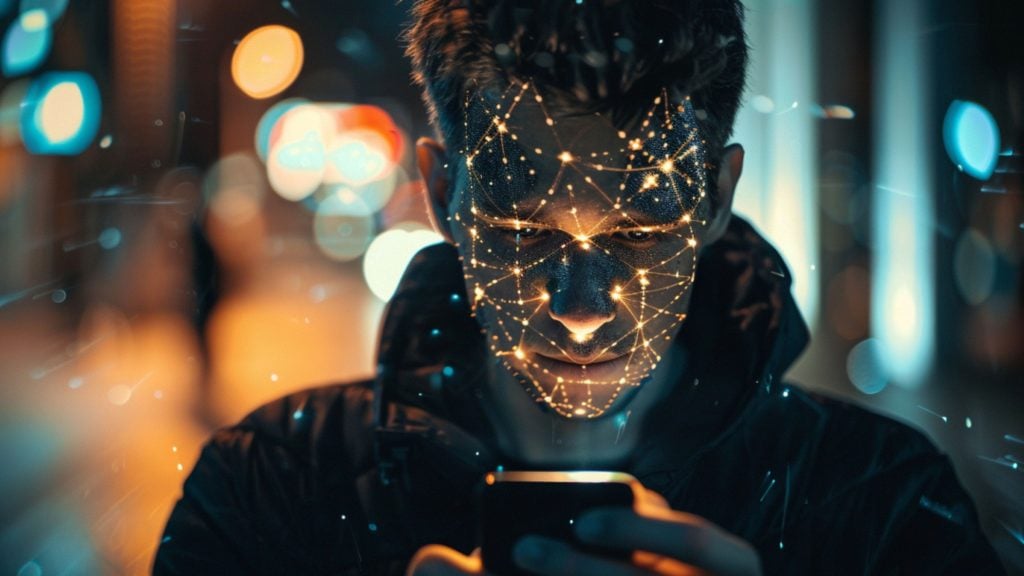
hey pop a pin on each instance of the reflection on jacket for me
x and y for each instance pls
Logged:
(353, 479)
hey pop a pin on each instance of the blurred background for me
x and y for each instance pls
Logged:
(205, 206)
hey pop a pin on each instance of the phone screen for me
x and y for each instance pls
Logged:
(518, 503)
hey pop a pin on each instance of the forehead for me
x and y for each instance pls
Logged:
(519, 154)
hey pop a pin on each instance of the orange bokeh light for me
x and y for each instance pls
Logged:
(267, 61)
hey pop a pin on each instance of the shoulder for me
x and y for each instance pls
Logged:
(844, 446)
(273, 490)
(904, 491)
(311, 424)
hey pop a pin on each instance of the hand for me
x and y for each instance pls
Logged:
(663, 541)
(437, 560)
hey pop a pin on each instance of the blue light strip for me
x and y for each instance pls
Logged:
(903, 301)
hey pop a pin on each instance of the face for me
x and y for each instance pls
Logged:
(579, 242)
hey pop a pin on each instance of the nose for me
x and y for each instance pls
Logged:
(580, 289)
(582, 325)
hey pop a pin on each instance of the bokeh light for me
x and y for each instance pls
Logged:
(269, 121)
(390, 253)
(865, 368)
(342, 232)
(358, 157)
(61, 113)
(26, 43)
(974, 267)
(267, 61)
(297, 157)
(972, 138)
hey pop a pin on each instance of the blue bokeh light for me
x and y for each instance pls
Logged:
(269, 120)
(972, 138)
(27, 43)
(61, 113)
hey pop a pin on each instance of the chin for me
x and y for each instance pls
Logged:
(581, 391)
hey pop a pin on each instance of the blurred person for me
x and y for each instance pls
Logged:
(596, 306)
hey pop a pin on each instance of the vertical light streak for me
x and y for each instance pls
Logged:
(778, 192)
(902, 314)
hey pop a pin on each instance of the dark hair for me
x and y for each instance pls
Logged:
(584, 55)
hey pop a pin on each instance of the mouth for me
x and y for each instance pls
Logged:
(582, 370)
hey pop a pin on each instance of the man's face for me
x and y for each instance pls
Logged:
(579, 242)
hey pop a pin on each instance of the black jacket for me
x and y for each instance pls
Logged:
(353, 479)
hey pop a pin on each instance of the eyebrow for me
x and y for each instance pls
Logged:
(531, 214)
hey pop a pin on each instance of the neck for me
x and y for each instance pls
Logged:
(543, 439)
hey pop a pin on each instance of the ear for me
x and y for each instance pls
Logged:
(431, 158)
(729, 170)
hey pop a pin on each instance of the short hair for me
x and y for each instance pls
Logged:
(611, 56)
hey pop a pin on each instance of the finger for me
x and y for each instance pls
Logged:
(651, 501)
(549, 557)
(437, 560)
(678, 535)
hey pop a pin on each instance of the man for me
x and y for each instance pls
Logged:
(596, 306)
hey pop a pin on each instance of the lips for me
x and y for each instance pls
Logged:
(605, 370)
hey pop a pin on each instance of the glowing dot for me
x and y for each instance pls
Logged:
(267, 61)
(692, 242)
(106, 141)
(517, 270)
(579, 411)
(273, 377)
(968, 423)
(180, 467)
(622, 134)
(565, 157)
(559, 379)
(667, 166)
(519, 353)
(549, 122)
(390, 253)
(544, 296)
(502, 127)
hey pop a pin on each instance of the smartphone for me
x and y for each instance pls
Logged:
(516, 503)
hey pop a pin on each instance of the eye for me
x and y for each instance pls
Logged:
(637, 236)
(528, 233)
(524, 234)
